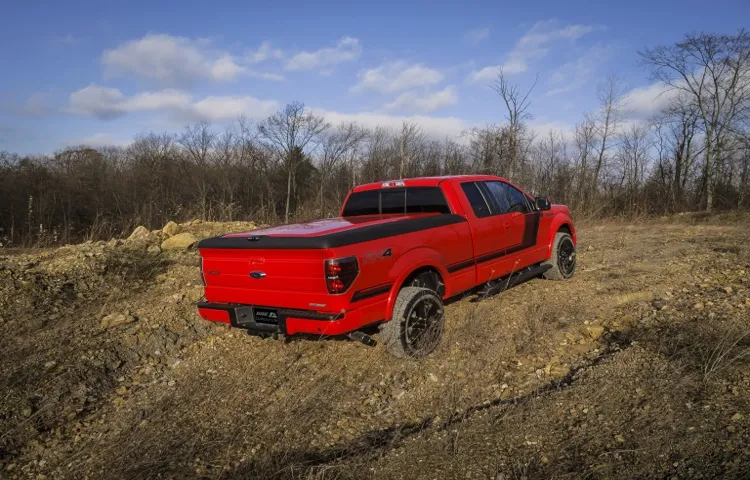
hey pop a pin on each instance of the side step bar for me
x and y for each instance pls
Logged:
(496, 286)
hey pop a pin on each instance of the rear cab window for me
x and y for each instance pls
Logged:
(396, 201)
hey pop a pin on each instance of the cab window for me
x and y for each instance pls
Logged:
(476, 199)
(498, 195)
(518, 201)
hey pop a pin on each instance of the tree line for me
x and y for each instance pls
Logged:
(693, 155)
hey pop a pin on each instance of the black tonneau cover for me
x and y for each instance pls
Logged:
(335, 239)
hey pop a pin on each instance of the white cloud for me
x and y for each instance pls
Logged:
(226, 108)
(643, 102)
(98, 140)
(265, 75)
(396, 76)
(541, 129)
(36, 105)
(436, 127)
(68, 40)
(429, 102)
(171, 60)
(345, 50)
(264, 52)
(575, 74)
(179, 107)
(97, 101)
(533, 45)
(476, 35)
(225, 68)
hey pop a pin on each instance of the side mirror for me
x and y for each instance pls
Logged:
(543, 203)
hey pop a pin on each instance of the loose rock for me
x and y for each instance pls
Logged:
(139, 232)
(171, 229)
(116, 319)
(181, 241)
(595, 331)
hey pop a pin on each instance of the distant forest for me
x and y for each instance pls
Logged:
(294, 165)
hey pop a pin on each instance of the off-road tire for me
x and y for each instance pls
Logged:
(395, 333)
(561, 269)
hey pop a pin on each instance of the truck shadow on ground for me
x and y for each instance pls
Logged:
(475, 295)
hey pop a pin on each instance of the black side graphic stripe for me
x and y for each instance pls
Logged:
(336, 239)
(371, 292)
(531, 229)
(455, 267)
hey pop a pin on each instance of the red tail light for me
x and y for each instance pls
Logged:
(340, 274)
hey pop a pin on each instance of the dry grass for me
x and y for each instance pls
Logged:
(614, 374)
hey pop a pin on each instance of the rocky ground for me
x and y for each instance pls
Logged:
(637, 367)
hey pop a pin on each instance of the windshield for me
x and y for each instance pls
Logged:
(396, 200)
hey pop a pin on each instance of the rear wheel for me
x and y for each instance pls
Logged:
(428, 279)
(417, 324)
(563, 258)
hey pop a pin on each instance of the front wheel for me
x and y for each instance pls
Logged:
(417, 324)
(563, 258)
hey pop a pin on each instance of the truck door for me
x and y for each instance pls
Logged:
(526, 223)
(491, 229)
(509, 215)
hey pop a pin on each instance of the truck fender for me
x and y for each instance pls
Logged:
(559, 221)
(407, 263)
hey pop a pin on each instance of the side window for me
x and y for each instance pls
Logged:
(518, 201)
(499, 196)
(478, 204)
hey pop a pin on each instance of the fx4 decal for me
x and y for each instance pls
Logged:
(373, 257)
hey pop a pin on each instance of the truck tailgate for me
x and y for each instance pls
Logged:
(284, 277)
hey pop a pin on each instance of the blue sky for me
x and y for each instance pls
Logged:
(103, 71)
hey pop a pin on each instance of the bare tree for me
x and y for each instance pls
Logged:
(607, 121)
(549, 155)
(198, 141)
(517, 105)
(289, 131)
(410, 139)
(713, 71)
(336, 146)
(584, 139)
(676, 147)
(633, 158)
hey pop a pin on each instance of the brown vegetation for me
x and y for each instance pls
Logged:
(638, 366)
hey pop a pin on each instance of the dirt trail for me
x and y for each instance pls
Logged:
(629, 369)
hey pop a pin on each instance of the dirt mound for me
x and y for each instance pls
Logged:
(635, 367)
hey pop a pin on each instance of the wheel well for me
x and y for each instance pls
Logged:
(421, 270)
(565, 229)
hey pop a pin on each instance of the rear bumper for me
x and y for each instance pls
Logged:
(288, 321)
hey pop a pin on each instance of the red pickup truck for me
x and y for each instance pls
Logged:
(396, 252)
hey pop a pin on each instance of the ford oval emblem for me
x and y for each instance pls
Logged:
(258, 274)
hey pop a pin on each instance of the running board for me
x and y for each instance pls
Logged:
(496, 286)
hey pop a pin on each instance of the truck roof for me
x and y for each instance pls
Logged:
(422, 181)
